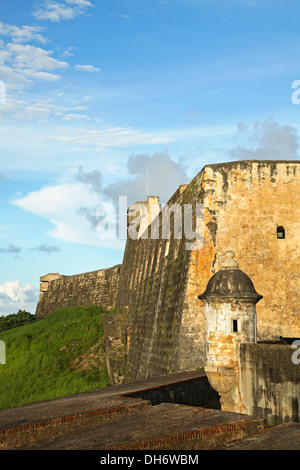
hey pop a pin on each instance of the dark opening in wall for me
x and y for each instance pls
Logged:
(280, 232)
(235, 326)
(191, 392)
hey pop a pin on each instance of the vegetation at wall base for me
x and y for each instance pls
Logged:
(61, 355)
(16, 319)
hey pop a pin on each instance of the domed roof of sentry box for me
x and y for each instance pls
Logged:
(230, 281)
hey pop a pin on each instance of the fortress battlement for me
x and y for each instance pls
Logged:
(250, 207)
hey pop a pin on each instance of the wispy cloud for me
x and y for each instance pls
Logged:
(11, 249)
(58, 11)
(75, 117)
(42, 109)
(45, 248)
(69, 51)
(87, 68)
(80, 3)
(108, 136)
(119, 15)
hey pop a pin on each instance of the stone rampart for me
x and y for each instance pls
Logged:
(92, 288)
(153, 280)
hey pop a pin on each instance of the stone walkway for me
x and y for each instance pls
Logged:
(125, 417)
(164, 427)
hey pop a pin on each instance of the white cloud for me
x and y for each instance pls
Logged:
(75, 117)
(14, 296)
(22, 33)
(87, 68)
(53, 201)
(55, 11)
(60, 205)
(80, 3)
(4, 56)
(14, 80)
(31, 57)
(20, 64)
(71, 208)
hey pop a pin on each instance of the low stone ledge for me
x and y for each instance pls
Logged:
(166, 426)
(281, 437)
(14, 435)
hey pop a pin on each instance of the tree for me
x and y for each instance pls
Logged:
(16, 319)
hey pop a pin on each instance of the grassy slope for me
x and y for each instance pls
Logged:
(60, 355)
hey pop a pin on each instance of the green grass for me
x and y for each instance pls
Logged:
(40, 357)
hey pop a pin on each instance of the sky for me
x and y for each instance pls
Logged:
(107, 98)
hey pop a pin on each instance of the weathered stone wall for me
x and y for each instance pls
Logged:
(116, 345)
(92, 288)
(270, 382)
(152, 281)
(244, 203)
(248, 201)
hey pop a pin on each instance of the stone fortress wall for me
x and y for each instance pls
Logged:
(93, 288)
(159, 280)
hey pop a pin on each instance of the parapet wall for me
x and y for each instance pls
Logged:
(92, 288)
(270, 382)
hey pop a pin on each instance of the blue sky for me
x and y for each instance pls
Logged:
(99, 90)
